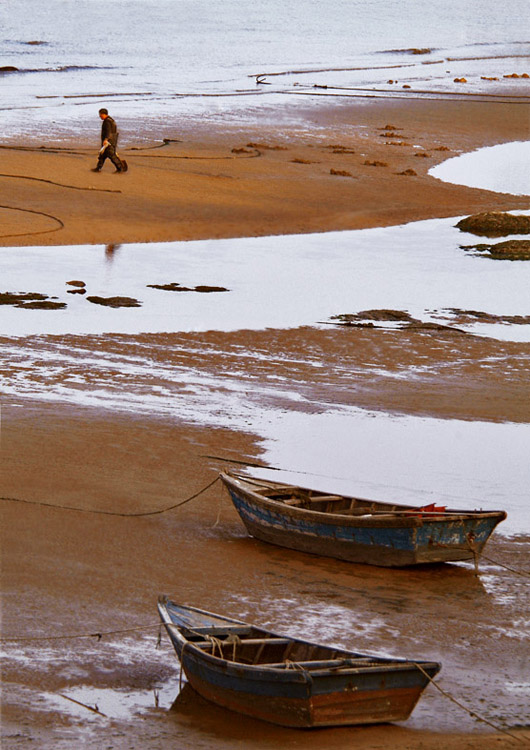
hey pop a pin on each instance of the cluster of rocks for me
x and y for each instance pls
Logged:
(31, 301)
(39, 301)
(495, 224)
(466, 317)
(508, 250)
(402, 320)
(498, 224)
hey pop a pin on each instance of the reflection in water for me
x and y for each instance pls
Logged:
(417, 268)
(110, 252)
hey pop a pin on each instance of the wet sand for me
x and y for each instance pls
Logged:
(68, 572)
(332, 168)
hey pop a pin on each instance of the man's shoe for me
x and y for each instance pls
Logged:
(124, 166)
(95, 169)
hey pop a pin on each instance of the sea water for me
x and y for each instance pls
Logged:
(419, 267)
(150, 60)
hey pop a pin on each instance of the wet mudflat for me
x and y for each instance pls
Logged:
(134, 421)
(124, 431)
(92, 573)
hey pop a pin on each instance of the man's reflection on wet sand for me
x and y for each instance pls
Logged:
(110, 252)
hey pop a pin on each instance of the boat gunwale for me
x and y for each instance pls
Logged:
(297, 674)
(398, 519)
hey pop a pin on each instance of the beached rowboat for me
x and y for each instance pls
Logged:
(289, 681)
(362, 531)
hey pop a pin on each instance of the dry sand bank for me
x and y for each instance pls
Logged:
(334, 169)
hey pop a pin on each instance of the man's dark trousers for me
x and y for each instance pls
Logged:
(109, 153)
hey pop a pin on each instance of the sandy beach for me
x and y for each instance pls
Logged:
(337, 168)
(73, 572)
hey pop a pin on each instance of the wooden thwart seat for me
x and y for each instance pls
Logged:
(245, 642)
(313, 500)
(324, 664)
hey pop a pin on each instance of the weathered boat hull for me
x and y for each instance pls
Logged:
(390, 542)
(297, 697)
(343, 705)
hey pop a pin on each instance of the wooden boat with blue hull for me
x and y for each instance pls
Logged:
(358, 530)
(286, 680)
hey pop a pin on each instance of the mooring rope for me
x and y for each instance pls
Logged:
(31, 211)
(97, 634)
(506, 567)
(112, 512)
(235, 640)
(59, 184)
(473, 714)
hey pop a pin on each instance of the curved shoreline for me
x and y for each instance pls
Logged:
(317, 169)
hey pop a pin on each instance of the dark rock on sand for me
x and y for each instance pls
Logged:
(75, 282)
(46, 304)
(375, 163)
(365, 319)
(267, 146)
(81, 290)
(16, 298)
(174, 286)
(379, 315)
(340, 173)
(115, 301)
(473, 316)
(419, 325)
(30, 301)
(495, 224)
(408, 173)
(8, 69)
(204, 288)
(511, 250)
(508, 250)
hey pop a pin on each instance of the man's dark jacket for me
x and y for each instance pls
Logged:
(109, 131)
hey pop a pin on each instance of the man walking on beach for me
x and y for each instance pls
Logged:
(109, 142)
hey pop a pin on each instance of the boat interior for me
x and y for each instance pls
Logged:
(299, 497)
(324, 502)
(248, 645)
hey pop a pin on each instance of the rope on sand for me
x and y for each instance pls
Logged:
(215, 642)
(506, 567)
(59, 184)
(165, 142)
(31, 211)
(473, 714)
(99, 634)
(112, 512)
